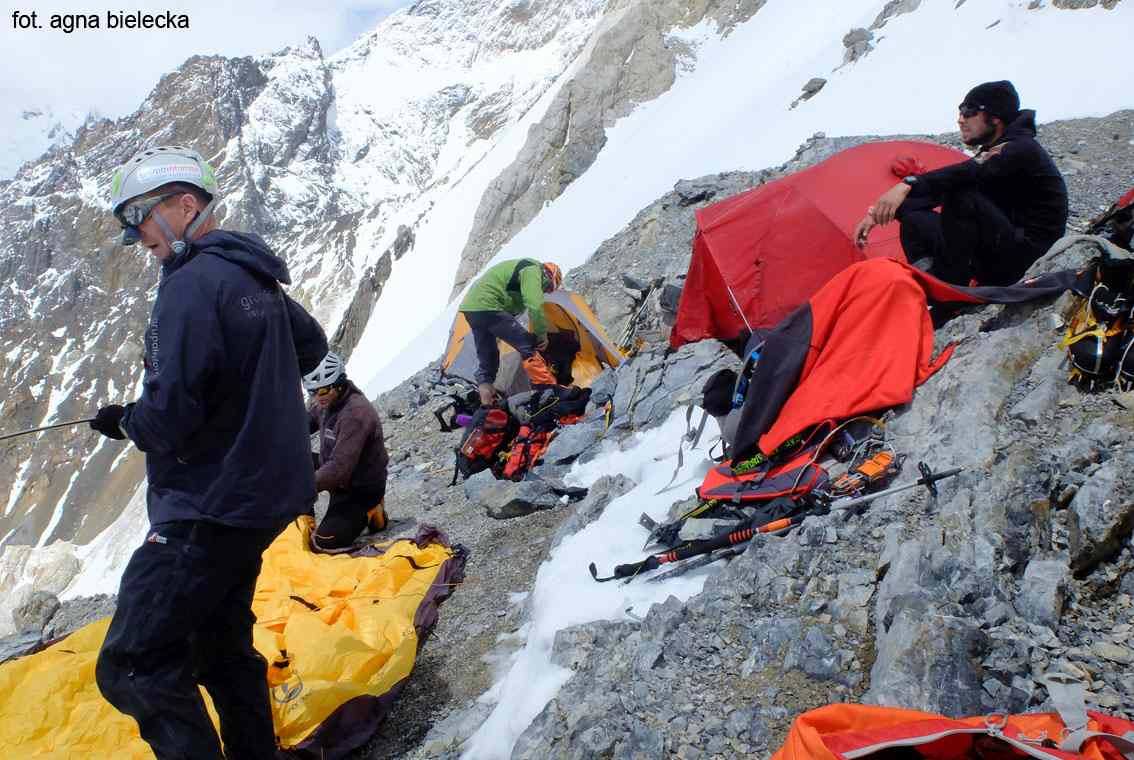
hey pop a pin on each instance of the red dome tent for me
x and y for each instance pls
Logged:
(766, 251)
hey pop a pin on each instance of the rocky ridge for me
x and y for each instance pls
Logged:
(841, 609)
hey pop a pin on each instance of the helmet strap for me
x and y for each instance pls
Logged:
(180, 246)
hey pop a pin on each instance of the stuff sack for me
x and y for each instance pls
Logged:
(528, 448)
(490, 433)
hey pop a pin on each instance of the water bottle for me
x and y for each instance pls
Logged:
(745, 376)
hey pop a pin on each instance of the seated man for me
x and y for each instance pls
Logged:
(352, 459)
(1000, 211)
(491, 306)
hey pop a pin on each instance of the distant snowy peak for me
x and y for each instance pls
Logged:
(29, 132)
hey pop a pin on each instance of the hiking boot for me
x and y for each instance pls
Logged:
(376, 519)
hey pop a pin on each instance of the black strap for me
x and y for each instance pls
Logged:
(514, 280)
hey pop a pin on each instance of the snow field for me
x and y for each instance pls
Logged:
(564, 593)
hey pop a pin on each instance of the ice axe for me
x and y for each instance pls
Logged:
(46, 427)
(746, 533)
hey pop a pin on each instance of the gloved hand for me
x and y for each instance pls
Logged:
(487, 394)
(108, 421)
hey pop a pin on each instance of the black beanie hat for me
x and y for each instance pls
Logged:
(996, 98)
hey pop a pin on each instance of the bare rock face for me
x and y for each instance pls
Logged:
(894, 8)
(1043, 591)
(1102, 513)
(33, 615)
(1073, 5)
(857, 44)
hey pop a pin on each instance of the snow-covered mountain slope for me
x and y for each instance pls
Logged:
(730, 108)
(30, 131)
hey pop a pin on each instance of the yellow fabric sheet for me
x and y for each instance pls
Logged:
(359, 641)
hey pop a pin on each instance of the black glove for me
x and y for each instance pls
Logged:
(107, 421)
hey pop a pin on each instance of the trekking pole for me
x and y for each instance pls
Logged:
(46, 427)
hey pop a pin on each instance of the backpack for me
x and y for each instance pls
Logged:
(528, 448)
(544, 408)
(489, 433)
(1099, 333)
(774, 478)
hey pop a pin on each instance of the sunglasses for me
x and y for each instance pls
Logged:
(968, 111)
(132, 216)
(321, 392)
(135, 213)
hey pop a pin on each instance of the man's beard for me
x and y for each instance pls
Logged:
(984, 138)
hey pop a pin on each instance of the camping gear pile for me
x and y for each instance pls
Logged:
(821, 345)
(510, 439)
(340, 634)
(770, 495)
(1100, 331)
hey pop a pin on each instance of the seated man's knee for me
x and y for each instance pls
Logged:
(963, 202)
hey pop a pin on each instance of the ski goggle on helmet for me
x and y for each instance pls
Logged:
(150, 170)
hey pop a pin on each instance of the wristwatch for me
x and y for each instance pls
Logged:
(910, 180)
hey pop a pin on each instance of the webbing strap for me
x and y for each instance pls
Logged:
(1075, 741)
(688, 435)
(1069, 697)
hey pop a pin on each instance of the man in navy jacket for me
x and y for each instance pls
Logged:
(223, 424)
(1000, 210)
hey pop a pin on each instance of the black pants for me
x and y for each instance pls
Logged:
(486, 327)
(346, 518)
(184, 618)
(970, 238)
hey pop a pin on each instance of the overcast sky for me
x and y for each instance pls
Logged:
(113, 70)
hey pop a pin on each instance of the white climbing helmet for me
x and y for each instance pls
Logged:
(329, 372)
(152, 169)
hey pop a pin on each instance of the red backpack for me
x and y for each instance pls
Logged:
(489, 433)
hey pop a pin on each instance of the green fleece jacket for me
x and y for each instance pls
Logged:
(491, 293)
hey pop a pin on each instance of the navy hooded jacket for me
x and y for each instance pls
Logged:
(221, 417)
(1021, 179)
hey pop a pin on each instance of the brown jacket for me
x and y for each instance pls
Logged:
(352, 450)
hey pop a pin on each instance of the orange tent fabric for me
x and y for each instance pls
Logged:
(849, 731)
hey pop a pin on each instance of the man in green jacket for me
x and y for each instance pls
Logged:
(491, 306)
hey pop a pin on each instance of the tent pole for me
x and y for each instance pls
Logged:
(736, 306)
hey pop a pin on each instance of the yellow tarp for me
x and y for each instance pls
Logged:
(358, 640)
